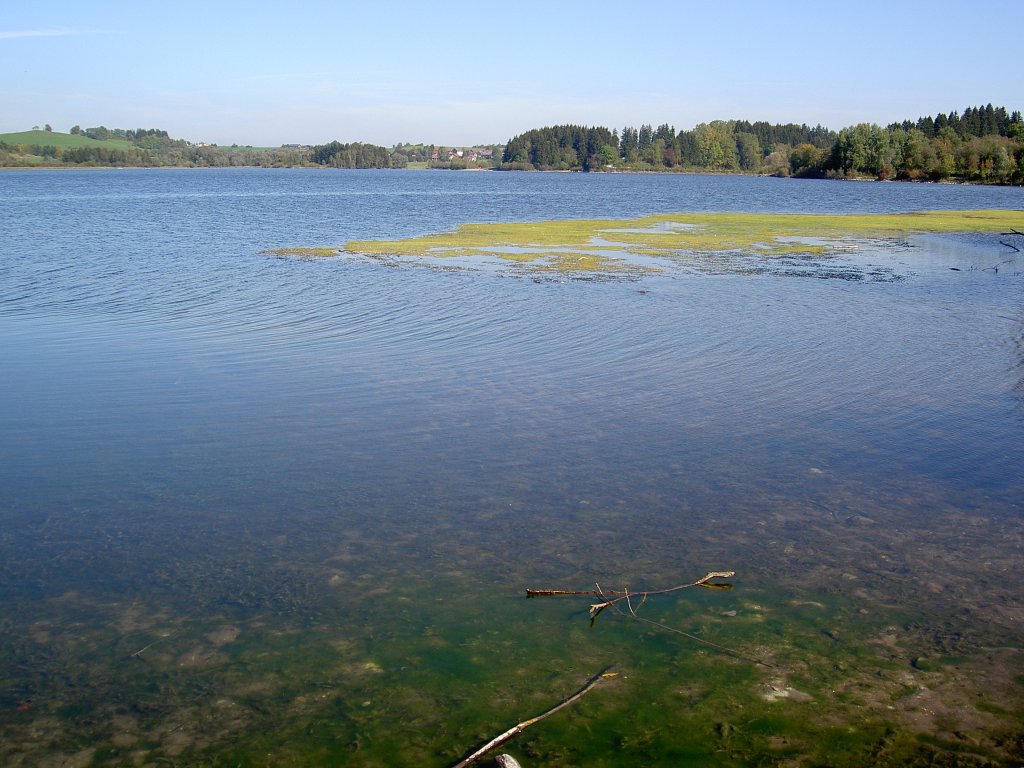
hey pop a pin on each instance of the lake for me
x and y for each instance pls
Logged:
(277, 511)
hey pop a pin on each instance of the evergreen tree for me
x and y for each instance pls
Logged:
(629, 144)
(645, 138)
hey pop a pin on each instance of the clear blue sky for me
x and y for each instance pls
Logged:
(268, 73)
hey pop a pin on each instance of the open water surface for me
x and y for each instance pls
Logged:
(273, 511)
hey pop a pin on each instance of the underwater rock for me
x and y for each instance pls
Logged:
(506, 761)
(776, 690)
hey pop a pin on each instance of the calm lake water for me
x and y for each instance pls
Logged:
(273, 511)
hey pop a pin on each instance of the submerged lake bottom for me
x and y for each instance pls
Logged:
(265, 511)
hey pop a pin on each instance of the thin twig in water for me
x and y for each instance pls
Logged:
(997, 266)
(628, 603)
(515, 730)
(724, 649)
(139, 652)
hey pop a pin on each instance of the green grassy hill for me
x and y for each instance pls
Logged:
(62, 140)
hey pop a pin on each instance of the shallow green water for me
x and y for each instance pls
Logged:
(259, 511)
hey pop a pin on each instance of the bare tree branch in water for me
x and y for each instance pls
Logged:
(515, 730)
(612, 599)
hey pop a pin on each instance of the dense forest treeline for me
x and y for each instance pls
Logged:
(354, 155)
(720, 145)
(983, 144)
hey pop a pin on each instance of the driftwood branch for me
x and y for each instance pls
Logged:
(515, 730)
(610, 598)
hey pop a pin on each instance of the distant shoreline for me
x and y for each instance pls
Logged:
(62, 168)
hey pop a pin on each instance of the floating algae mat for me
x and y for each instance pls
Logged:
(302, 252)
(705, 242)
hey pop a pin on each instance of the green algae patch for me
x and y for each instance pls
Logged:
(635, 245)
(303, 253)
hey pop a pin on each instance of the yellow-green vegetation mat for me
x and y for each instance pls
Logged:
(613, 245)
(303, 253)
